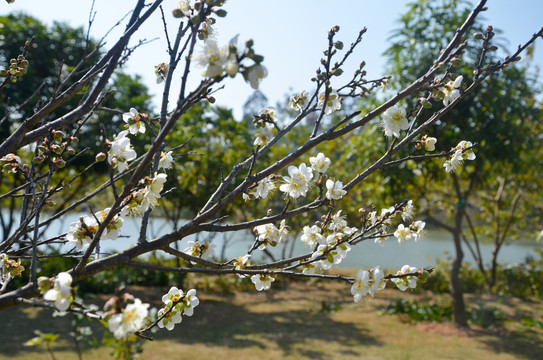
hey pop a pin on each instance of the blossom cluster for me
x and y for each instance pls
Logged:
(177, 304)
(121, 152)
(462, 152)
(332, 236)
(10, 163)
(220, 60)
(298, 181)
(61, 292)
(82, 232)
(369, 282)
(204, 250)
(386, 218)
(147, 197)
(333, 102)
(269, 234)
(451, 91)
(9, 268)
(261, 190)
(413, 231)
(130, 320)
(406, 282)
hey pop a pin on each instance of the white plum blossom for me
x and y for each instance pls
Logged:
(231, 66)
(394, 121)
(268, 234)
(132, 319)
(166, 160)
(152, 191)
(204, 250)
(455, 162)
(263, 188)
(161, 70)
(61, 293)
(256, 73)
(268, 114)
(312, 236)
(121, 152)
(172, 296)
(262, 281)
(298, 183)
(263, 135)
(338, 224)
(135, 121)
(298, 102)
(466, 154)
(112, 229)
(372, 217)
(407, 282)
(240, 263)
(82, 231)
(413, 231)
(430, 143)
(368, 283)
(403, 233)
(185, 7)
(213, 57)
(190, 302)
(408, 211)
(333, 103)
(418, 229)
(170, 319)
(332, 253)
(177, 303)
(320, 163)
(452, 90)
(460, 154)
(334, 190)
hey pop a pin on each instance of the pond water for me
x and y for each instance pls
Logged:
(436, 244)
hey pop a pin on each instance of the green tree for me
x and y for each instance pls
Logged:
(54, 53)
(499, 118)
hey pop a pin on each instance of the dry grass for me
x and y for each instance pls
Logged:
(287, 324)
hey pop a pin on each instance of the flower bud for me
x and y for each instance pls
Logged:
(221, 13)
(177, 13)
(101, 157)
(195, 19)
(425, 103)
(44, 284)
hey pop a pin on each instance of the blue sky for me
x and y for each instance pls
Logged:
(291, 34)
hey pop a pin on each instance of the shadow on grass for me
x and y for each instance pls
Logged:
(524, 343)
(19, 323)
(224, 324)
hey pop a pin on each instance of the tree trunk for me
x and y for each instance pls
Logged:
(459, 307)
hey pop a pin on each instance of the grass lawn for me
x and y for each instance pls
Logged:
(288, 324)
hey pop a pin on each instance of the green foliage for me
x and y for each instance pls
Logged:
(215, 142)
(487, 317)
(531, 322)
(414, 312)
(329, 307)
(56, 51)
(523, 280)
